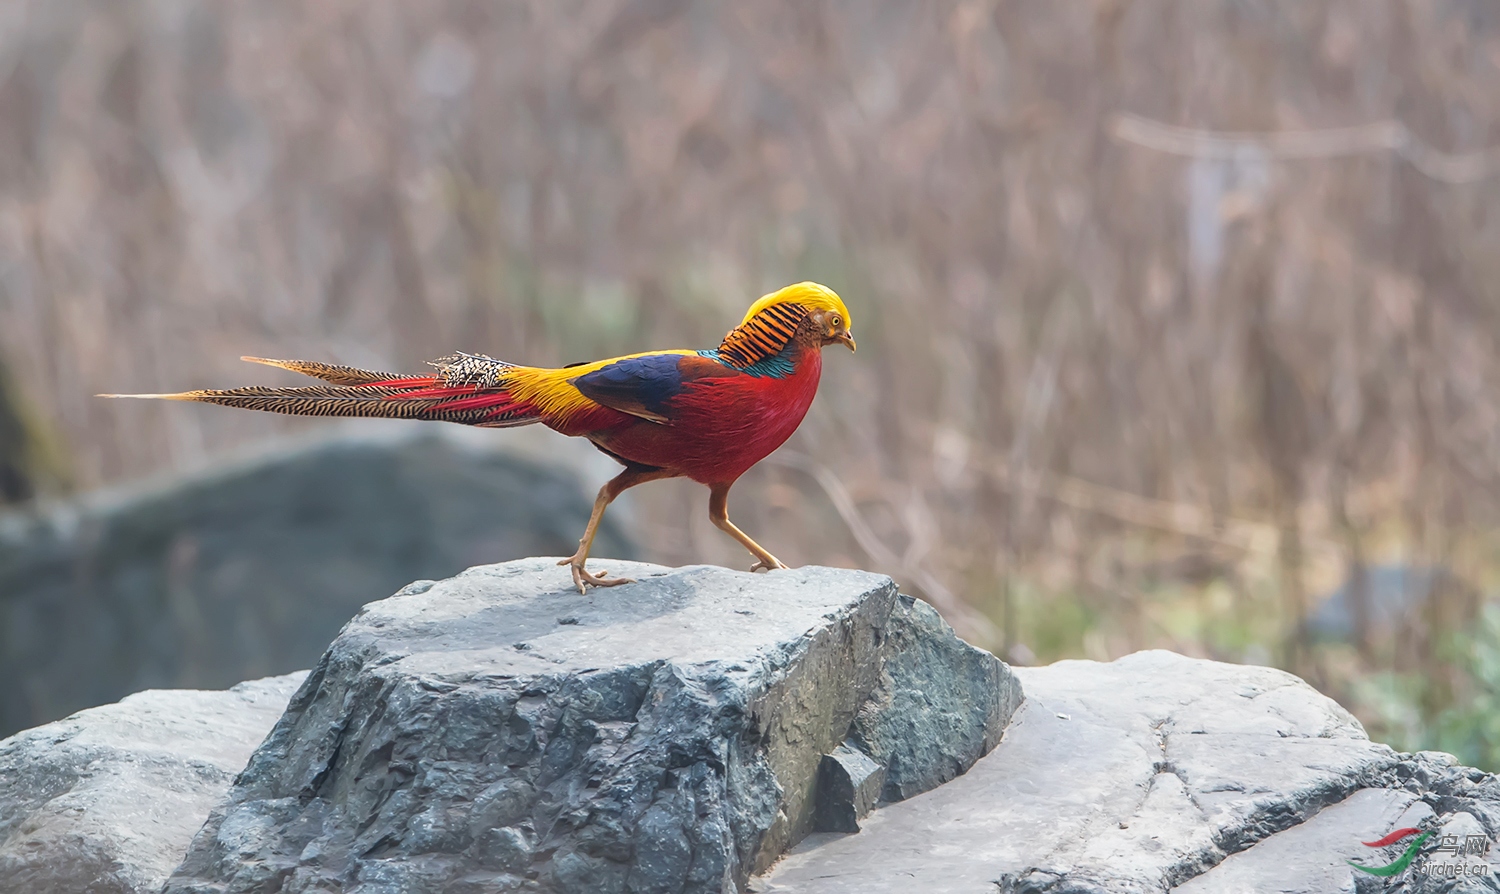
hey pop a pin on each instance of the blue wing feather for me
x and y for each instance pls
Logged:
(641, 386)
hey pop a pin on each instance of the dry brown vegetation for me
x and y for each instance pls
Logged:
(1110, 396)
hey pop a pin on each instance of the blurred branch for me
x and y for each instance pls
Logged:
(1176, 518)
(1337, 142)
(958, 612)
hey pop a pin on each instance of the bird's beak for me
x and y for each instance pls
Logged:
(847, 338)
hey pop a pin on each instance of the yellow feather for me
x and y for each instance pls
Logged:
(808, 294)
(552, 391)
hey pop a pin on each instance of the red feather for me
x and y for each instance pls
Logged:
(719, 427)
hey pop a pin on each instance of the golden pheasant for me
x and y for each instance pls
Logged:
(706, 415)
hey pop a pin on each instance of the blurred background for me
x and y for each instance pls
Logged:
(1177, 320)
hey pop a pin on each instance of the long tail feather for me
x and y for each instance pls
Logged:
(328, 372)
(401, 397)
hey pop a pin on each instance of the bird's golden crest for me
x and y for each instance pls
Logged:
(772, 321)
(810, 295)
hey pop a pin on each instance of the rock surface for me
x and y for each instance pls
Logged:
(498, 731)
(1131, 776)
(1429, 791)
(106, 801)
(919, 723)
(204, 580)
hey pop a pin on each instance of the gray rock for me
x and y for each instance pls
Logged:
(204, 580)
(106, 801)
(499, 731)
(933, 714)
(1455, 801)
(1135, 776)
(1312, 857)
(1428, 791)
(849, 786)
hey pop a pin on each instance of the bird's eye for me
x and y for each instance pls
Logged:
(836, 322)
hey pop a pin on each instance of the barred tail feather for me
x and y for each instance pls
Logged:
(405, 397)
(329, 372)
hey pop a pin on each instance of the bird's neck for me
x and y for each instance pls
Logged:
(775, 343)
(794, 358)
(765, 336)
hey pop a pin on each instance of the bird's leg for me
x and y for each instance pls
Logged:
(581, 576)
(718, 511)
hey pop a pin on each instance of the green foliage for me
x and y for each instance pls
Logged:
(1396, 707)
(1452, 703)
(1390, 707)
(1053, 623)
(1471, 727)
(30, 463)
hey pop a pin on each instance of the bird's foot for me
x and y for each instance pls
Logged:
(583, 578)
(763, 565)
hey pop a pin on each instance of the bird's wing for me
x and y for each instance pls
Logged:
(643, 385)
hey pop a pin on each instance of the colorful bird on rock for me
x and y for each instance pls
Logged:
(705, 415)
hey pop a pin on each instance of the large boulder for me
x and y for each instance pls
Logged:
(499, 731)
(106, 801)
(1159, 773)
(249, 570)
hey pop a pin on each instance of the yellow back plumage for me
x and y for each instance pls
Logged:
(808, 294)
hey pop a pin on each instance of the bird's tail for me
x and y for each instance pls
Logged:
(468, 388)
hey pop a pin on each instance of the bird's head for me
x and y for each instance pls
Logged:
(827, 315)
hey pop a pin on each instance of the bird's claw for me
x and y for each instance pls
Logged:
(763, 565)
(583, 578)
